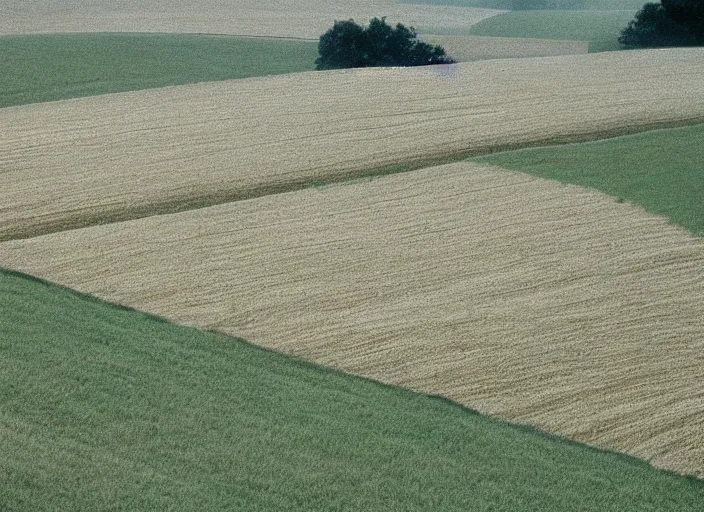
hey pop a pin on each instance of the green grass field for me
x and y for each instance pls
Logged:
(105, 408)
(661, 170)
(600, 28)
(40, 68)
(486, 4)
(599, 5)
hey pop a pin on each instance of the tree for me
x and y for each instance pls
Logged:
(670, 23)
(349, 45)
(689, 13)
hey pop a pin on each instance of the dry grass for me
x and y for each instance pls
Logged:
(534, 301)
(281, 18)
(81, 162)
(471, 48)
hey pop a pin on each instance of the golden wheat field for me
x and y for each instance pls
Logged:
(471, 48)
(277, 18)
(86, 161)
(527, 299)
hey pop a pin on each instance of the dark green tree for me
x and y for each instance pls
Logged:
(670, 23)
(343, 46)
(689, 13)
(349, 45)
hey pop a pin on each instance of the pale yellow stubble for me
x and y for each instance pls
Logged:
(530, 300)
(267, 18)
(81, 162)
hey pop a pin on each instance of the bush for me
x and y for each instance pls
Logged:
(349, 45)
(671, 23)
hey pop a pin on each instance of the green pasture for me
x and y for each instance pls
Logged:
(600, 28)
(106, 408)
(39, 68)
(576, 5)
(661, 170)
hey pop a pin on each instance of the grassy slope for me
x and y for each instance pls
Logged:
(102, 407)
(659, 170)
(600, 28)
(40, 68)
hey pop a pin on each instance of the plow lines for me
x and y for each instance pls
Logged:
(531, 300)
(83, 162)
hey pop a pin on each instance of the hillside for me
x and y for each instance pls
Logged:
(96, 160)
(537, 302)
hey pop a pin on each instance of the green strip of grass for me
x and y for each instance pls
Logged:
(600, 28)
(105, 408)
(39, 68)
(662, 170)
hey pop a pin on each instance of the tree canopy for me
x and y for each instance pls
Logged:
(670, 23)
(349, 45)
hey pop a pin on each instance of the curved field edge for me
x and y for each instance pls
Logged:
(70, 220)
(468, 48)
(538, 302)
(659, 170)
(303, 19)
(50, 67)
(86, 161)
(600, 28)
(105, 407)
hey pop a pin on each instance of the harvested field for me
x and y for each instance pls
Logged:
(83, 162)
(538, 302)
(299, 18)
(471, 48)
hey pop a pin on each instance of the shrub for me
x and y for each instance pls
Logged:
(349, 45)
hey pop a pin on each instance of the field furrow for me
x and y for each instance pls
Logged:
(537, 302)
(82, 162)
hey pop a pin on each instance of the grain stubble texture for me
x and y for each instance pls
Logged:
(471, 48)
(530, 300)
(94, 160)
(306, 19)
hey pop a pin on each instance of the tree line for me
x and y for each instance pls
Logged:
(349, 45)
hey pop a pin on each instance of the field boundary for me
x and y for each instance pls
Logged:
(181, 204)
(302, 362)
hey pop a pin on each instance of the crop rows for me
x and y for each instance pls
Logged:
(94, 160)
(534, 301)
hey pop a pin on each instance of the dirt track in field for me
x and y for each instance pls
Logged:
(471, 48)
(278, 18)
(534, 301)
(93, 160)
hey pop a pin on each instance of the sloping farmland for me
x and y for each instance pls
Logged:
(471, 48)
(534, 301)
(272, 18)
(82, 162)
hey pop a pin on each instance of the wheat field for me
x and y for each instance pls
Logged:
(537, 302)
(269, 18)
(471, 48)
(93, 160)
